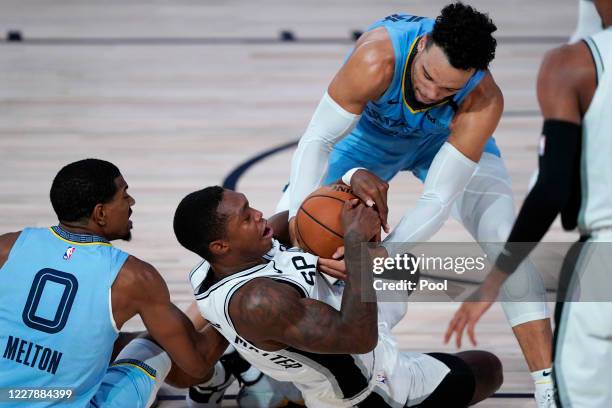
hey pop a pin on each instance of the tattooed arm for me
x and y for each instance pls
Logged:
(273, 315)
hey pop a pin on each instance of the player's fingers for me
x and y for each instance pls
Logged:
(450, 329)
(339, 253)
(339, 265)
(350, 204)
(459, 331)
(334, 272)
(366, 197)
(381, 204)
(471, 331)
(331, 272)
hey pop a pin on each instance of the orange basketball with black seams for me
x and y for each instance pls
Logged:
(318, 221)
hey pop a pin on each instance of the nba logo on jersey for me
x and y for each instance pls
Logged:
(68, 253)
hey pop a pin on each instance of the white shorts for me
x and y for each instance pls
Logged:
(583, 347)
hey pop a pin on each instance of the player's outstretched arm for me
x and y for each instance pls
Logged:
(364, 77)
(273, 315)
(565, 84)
(141, 290)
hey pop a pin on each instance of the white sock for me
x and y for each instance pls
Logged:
(218, 377)
(209, 394)
(544, 388)
(250, 375)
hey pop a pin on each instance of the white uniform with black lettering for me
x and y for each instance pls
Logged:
(584, 338)
(385, 377)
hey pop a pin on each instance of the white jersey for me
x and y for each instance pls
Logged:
(596, 165)
(382, 378)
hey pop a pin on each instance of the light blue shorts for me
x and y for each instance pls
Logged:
(127, 384)
(386, 155)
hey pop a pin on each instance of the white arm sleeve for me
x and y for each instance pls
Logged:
(448, 176)
(328, 125)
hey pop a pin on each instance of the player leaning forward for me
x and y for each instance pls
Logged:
(65, 292)
(415, 94)
(286, 319)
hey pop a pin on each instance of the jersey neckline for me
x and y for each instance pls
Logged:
(78, 239)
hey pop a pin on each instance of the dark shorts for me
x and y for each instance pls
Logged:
(456, 389)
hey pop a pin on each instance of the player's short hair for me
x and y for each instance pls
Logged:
(465, 36)
(197, 222)
(78, 187)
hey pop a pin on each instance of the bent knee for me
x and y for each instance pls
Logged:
(486, 367)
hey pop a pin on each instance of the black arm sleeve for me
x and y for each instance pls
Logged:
(559, 159)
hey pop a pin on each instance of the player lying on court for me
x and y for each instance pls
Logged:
(285, 319)
(415, 94)
(65, 292)
(574, 180)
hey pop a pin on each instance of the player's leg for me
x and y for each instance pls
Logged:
(474, 376)
(122, 341)
(209, 393)
(583, 347)
(486, 209)
(133, 379)
(257, 390)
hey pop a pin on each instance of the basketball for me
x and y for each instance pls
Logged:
(318, 225)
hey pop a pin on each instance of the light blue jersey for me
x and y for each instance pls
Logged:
(57, 327)
(396, 132)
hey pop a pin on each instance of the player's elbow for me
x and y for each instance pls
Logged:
(438, 208)
(366, 342)
(371, 341)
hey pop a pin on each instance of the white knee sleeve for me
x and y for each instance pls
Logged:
(152, 355)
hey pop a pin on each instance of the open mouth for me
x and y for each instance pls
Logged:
(267, 232)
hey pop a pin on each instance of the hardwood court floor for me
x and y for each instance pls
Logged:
(136, 84)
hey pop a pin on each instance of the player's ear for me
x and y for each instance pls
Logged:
(422, 43)
(99, 215)
(218, 247)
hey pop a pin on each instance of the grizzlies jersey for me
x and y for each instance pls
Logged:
(596, 166)
(325, 380)
(396, 132)
(57, 324)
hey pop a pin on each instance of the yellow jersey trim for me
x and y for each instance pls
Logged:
(135, 365)
(78, 243)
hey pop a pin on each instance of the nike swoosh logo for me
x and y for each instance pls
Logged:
(546, 374)
(392, 102)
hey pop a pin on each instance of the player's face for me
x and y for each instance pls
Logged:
(603, 8)
(118, 212)
(433, 78)
(246, 229)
